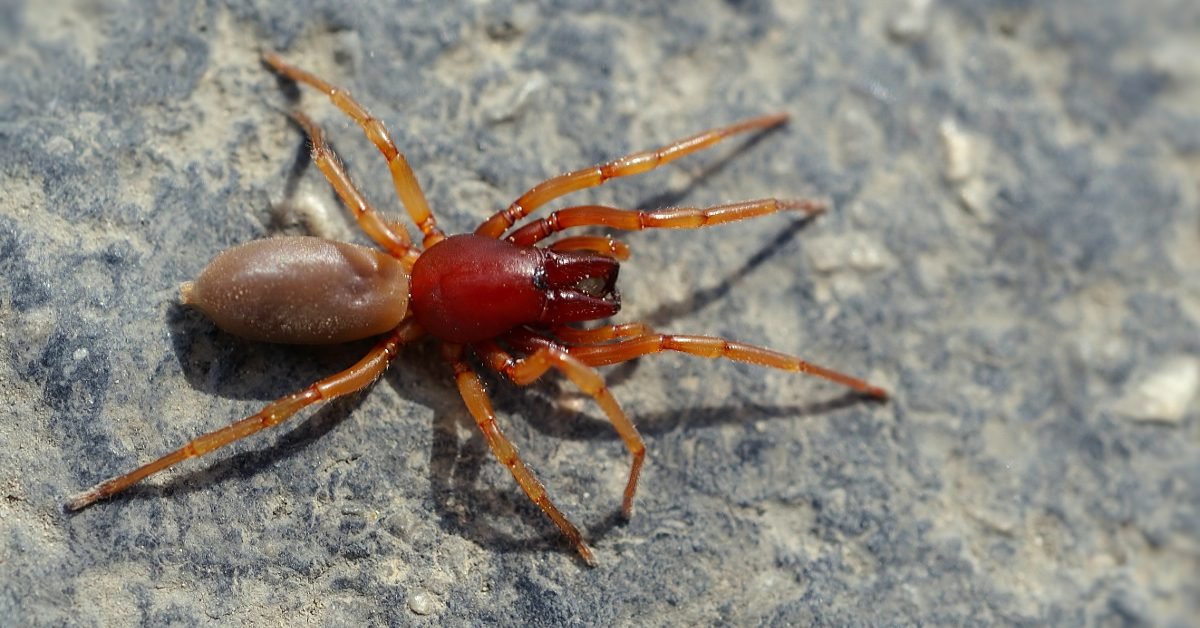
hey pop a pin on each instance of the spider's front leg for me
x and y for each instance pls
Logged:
(672, 218)
(635, 163)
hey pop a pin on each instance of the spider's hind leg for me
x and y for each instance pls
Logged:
(355, 378)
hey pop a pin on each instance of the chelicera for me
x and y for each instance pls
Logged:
(493, 293)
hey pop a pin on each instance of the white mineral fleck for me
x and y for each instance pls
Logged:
(1165, 393)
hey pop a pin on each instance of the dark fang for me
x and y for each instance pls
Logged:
(579, 286)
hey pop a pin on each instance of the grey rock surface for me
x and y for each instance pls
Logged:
(1012, 249)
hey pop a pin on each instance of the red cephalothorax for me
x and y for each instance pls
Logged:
(468, 288)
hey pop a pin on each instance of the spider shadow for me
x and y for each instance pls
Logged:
(554, 420)
(455, 476)
(246, 465)
(282, 222)
(700, 299)
(223, 365)
(217, 363)
(303, 159)
(463, 499)
(710, 169)
(300, 164)
(707, 296)
(667, 312)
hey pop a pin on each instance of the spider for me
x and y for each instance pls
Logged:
(512, 305)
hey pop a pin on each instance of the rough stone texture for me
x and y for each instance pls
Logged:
(1013, 251)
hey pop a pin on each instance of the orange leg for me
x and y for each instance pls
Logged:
(710, 347)
(395, 242)
(528, 369)
(407, 187)
(635, 163)
(598, 244)
(476, 398)
(674, 218)
(575, 336)
(355, 378)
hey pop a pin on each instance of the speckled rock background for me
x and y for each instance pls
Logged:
(1012, 250)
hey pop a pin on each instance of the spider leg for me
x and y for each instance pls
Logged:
(480, 407)
(394, 241)
(673, 218)
(634, 163)
(576, 336)
(355, 378)
(597, 244)
(711, 347)
(546, 355)
(407, 187)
